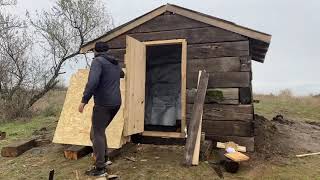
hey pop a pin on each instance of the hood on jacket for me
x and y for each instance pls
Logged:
(109, 58)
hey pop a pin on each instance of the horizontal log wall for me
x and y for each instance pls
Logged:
(225, 55)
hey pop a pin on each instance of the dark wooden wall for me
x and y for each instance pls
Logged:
(228, 112)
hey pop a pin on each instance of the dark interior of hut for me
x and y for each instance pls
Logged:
(163, 88)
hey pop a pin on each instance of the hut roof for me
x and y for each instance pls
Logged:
(259, 41)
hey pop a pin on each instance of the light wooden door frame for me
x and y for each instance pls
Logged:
(183, 132)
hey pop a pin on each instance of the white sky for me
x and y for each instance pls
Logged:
(293, 58)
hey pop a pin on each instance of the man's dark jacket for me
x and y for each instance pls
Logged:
(103, 81)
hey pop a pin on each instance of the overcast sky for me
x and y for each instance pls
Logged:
(293, 59)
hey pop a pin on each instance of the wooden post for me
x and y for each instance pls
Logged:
(196, 118)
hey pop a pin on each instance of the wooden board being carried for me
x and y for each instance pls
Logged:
(74, 127)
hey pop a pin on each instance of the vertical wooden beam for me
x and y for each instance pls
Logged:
(195, 119)
(184, 86)
(195, 158)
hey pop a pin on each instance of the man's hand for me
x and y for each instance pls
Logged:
(81, 107)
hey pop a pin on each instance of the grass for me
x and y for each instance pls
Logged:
(306, 108)
(23, 129)
(37, 162)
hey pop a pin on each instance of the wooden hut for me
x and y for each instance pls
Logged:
(163, 51)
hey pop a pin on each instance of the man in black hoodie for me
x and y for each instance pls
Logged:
(104, 84)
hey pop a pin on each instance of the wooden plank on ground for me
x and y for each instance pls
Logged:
(237, 156)
(15, 149)
(220, 112)
(217, 95)
(76, 152)
(74, 127)
(248, 142)
(195, 119)
(222, 80)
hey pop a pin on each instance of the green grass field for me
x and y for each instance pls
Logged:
(37, 162)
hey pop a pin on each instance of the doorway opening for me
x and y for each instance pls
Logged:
(163, 88)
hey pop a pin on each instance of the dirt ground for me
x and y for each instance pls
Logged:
(277, 143)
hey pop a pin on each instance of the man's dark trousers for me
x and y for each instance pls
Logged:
(101, 118)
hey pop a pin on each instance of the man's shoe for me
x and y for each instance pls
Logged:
(102, 172)
(108, 163)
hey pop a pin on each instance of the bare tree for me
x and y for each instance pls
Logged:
(63, 30)
(29, 68)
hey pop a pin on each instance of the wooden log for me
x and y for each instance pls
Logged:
(3, 135)
(16, 149)
(222, 80)
(227, 128)
(221, 64)
(245, 95)
(76, 152)
(195, 119)
(219, 112)
(224, 49)
(220, 96)
(248, 142)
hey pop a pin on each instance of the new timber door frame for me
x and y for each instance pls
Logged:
(183, 43)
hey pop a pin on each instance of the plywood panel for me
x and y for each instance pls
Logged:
(135, 62)
(74, 127)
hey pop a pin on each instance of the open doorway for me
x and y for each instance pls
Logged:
(163, 88)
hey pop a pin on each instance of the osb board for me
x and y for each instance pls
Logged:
(74, 127)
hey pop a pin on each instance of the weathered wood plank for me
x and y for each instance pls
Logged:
(196, 118)
(224, 64)
(224, 49)
(222, 80)
(220, 96)
(193, 36)
(218, 112)
(203, 51)
(248, 142)
(227, 128)
(166, 23)
(76, 152)
(15, 149)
